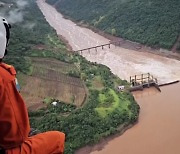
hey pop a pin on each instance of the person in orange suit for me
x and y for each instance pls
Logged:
(14, 121)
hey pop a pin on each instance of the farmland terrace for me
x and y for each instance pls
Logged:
(49, 79)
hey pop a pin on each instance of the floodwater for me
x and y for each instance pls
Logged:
(158, 130)
(122, 62)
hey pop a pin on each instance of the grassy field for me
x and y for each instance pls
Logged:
(109, 102)
(97, 83)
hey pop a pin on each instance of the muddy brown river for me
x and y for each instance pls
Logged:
(158, 130)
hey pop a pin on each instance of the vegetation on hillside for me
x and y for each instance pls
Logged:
(32, 31)
(105, 109)
(152, 22)
(33, 37)
(178, 46)
(104, 112)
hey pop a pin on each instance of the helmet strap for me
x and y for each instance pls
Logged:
(7, 33)
(5, 52)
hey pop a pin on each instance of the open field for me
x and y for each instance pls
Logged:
(110, 102)
(48, 80)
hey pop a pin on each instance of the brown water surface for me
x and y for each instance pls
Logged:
(158, 130)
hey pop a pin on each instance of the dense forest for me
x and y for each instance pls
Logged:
(154, 23)
(106, 110)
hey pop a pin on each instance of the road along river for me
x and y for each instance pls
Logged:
(158, 129)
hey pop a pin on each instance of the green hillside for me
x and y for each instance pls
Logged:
(29, 30)
(36, 51)
(152, 22)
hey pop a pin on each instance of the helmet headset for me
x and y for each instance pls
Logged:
(4, 36)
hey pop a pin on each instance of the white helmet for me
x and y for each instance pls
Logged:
(4, 36)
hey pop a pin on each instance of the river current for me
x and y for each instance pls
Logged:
(122, 62)
(158, 129)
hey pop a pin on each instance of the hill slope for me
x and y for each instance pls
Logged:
(32, 41)
(151, 22)
(37, 52)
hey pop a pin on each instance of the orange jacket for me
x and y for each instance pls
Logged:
(14, 122)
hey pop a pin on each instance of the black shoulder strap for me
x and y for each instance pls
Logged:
(2, 151)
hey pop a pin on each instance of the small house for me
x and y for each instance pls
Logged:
(121, 88)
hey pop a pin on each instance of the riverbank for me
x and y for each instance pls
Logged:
(66, 42)
(129, 44)
(104, 141)
(157, 131)
(125, 44)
